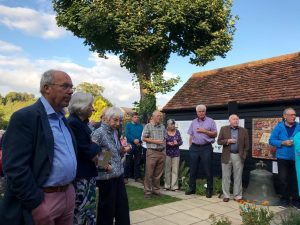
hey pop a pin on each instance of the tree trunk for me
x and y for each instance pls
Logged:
(147, 102)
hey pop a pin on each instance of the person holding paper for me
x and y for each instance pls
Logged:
(235, 141)
(81, 108)
(113, 201)
(282, 138)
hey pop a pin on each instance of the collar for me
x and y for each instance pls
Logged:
(199, 120)
(234, 128)
(49, 109)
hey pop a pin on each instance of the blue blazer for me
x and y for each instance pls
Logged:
(28, 149)
(87, 149)
(280, 134)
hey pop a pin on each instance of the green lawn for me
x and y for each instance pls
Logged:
(137, 201)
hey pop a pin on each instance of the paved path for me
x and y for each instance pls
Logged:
(192, 209)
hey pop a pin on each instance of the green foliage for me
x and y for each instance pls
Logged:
(255, 215)
(145, 107)
(183, 176)
(292, 218)
(144, 33)
(94, 89)
(201, 190)
(221, 221)
(12, 102)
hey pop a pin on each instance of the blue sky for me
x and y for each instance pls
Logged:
(30, 43)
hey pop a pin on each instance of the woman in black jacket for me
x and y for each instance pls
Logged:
(81, 108)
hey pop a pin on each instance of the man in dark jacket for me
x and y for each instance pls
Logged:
(39, 159)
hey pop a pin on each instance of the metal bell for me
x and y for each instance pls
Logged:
(261, 188)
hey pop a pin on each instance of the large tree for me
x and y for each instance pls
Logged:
(143, 33)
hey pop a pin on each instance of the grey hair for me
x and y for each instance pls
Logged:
(232, 115)
(113, 112)
(203, 107)
(80, 102)
(288, 109)
(47, 78)
(170, 121)
(155, 112)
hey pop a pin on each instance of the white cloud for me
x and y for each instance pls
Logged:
(21, 74)
(7, 47)
(31, 22)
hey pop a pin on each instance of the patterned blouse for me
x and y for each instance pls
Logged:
(173, 150)
(105, 137)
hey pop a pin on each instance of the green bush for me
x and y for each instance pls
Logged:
(221, 221)
(291, 219)
(183, 176)
(253, 215)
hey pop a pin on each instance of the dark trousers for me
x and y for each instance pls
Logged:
(113, 202)
(288, 184)
(204, 155)
(134, 155)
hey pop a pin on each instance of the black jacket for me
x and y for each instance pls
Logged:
(28, 149)
(87, 149)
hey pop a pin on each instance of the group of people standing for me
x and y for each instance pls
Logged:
(52, 163)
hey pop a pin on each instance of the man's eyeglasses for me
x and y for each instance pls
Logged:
(291, 114)
(65, 86)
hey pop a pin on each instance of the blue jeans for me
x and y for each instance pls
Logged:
(204, 155)
(135, 155)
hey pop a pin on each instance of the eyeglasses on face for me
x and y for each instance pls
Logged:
(64, 86)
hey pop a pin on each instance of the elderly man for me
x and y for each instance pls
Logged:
(282, 139)
(39, 159)
(154, 135)
(202, 133)
(235, 143)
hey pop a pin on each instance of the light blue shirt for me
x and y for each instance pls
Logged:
(64, 161)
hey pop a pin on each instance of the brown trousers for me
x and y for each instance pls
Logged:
(155, 161)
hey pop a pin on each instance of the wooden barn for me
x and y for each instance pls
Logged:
(257, 91)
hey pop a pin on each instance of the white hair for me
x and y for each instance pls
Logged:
(232, 115)
(113, 112)
(80, 102)
(203, 107)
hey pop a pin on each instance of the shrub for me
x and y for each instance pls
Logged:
(220, 221)
(291, 219)
(253, 215)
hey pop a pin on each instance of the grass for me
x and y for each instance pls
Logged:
(137, 201)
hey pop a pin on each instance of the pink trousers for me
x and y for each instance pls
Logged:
(56, 209)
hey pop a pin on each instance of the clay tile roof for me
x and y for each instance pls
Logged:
(267, 80)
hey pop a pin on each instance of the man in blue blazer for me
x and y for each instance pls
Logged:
(39, 159)
(282, 138)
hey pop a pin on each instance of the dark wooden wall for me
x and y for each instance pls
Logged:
(247, 112)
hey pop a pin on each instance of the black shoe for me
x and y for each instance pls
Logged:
(208, 194)
(189, 192)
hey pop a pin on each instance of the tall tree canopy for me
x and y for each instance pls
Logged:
(143, 33)
(93, 89)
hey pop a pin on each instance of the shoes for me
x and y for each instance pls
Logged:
(175, 190)
(157, 194)
(189, 192)
(284, 203)
(139, 180)
(208, 194)
(225, 199)
(167, 189)
(125, 180)
(147, 196)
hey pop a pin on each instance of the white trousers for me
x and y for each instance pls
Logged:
(237, 164)
(171, 172)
